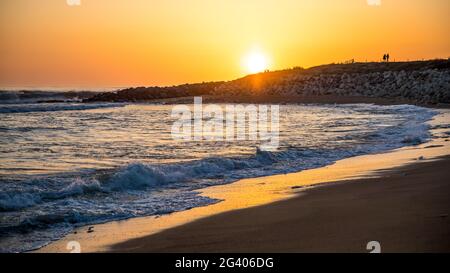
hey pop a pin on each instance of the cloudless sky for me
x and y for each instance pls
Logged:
(118, 43)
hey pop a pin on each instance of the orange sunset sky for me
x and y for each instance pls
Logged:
(119, 43)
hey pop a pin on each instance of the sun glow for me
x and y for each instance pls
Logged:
(165, 43)
(256, 62)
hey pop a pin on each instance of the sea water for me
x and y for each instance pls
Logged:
(65, 165)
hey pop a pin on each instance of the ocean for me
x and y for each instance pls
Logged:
(68, 164)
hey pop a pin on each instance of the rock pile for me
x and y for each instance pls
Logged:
(424, 86)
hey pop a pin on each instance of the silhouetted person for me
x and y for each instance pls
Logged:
(384, 57)
(387, 57)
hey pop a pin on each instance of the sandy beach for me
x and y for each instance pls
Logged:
(406, 210)
(398, 198)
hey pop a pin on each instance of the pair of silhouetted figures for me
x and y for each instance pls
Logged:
(386, 57)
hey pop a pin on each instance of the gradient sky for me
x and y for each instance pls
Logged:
(118, 43)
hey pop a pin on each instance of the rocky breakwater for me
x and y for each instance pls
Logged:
(418, 82)
(142, 94)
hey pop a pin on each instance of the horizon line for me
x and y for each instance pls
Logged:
(54, 88)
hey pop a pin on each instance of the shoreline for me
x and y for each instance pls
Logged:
(401, 210)
(248, 193)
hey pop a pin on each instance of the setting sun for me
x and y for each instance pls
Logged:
(256, 62)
